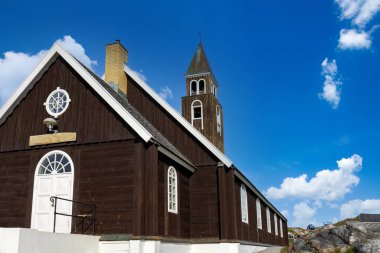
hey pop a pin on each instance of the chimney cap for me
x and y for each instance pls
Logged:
(117, 41)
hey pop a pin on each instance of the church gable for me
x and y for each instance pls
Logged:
(87, 114)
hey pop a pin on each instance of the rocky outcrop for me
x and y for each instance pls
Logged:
(361, 237)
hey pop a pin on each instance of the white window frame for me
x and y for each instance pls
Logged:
(258, 211)
(172, 201)
(197, 91)
(275, 225)
(281, 231)
(192, 112)
(244, 204)
(218, 120)
(46, 104)
(269, 227)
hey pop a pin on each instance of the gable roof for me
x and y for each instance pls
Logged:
(53, 53)
(199, 64)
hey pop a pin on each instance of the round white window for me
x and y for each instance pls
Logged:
(55, 162)
(57, 102)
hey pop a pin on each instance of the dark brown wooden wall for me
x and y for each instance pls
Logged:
(250, 232)
(168, 126)
(205, 203)
(174, 225)
(103, 175)
(87, 115)
(204, 188)
(209, 103)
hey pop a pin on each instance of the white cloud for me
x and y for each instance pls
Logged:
(303, 214)
(166, 93)
(326, 185)
(76, 50)
(15, 66)
(141, 75)
(353, 39)
(355, 207)
(349, 8)
(331, 90)
(329, 68)
(367, 11)
(360, 11)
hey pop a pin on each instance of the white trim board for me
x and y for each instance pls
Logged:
(53, 53)
(222, 157)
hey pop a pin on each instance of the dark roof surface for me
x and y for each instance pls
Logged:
(199, 64)
(122, 99)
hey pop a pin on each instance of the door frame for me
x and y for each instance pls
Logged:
(34, 199)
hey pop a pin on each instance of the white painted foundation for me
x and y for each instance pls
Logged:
(141, 246)
(22, 240)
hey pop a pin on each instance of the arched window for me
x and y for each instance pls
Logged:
(218, 121)
(196, 112)
(281, 231)
(258, 210)
(201, 86)
(244, 204)
(193, 87)
(268, 221)
(55, 162)
(275, 225)
(172, 190)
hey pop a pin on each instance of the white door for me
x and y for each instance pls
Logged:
(53, 177)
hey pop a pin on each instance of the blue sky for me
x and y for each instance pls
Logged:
(268, 59)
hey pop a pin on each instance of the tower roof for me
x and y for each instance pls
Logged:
(199, 64)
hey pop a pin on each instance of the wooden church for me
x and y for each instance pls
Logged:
(111, 158)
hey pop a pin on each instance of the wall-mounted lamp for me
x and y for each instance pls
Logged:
(51, 125)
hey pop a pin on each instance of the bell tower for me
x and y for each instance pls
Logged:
(200, 106)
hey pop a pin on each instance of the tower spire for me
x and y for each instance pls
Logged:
(199, 63)
(200, 106)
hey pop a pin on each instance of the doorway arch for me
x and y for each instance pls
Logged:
(54, 176)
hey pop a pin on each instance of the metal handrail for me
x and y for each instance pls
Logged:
(53, 200)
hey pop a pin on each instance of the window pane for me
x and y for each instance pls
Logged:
(201, 86)
(197, 112)
(194, 87)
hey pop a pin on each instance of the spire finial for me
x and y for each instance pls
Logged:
(200, 38)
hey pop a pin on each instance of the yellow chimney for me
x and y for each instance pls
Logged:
(116, 57)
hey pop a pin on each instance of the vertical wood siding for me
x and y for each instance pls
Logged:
(205, 203)
(103, 175)
(168, 126)
(250, 232)
(174, 225)
(87, 115)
